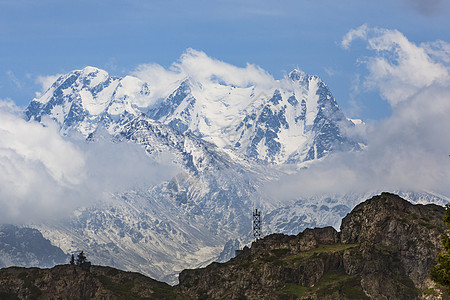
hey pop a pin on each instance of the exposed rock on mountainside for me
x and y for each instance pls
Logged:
(294, 119)
(71, 282)
(227, 139)
(384, 250)
(27, 246)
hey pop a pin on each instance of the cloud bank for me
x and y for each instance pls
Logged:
(199, 67)
(400, 68)
(410, 149)
(44, 176)
(39, 171)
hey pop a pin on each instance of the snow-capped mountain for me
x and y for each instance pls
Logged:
(295, 120)
(228, 142)
(82, 99)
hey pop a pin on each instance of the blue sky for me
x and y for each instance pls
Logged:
(39, 38)
(386, 62)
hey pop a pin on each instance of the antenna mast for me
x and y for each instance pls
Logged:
(257, 224)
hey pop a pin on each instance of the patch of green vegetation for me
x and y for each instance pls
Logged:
(384, 249)
(405, 281)
(426, 219)
(280, 252)
(339, 283)
(272, 259)
(269, 258)
(335, 284)
(294, 290)
(428, 225)
(8, 296)
(321, 249)
(121, 290)
(165, 291)
(429, 292)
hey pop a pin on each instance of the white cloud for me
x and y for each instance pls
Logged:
(161, 81)
(114, 167)
(39, 171)
(44, 176)
(438, 50)
(331, 72)
(14, 79)
(199, 67)
(358, 33)
(400, 68)
(407, 151)
(45, 82)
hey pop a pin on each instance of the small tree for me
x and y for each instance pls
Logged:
(81, 258)
(440, 273)
(72, 260)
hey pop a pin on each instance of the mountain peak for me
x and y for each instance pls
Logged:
(90, 69)
(288, 128)
(296, 75)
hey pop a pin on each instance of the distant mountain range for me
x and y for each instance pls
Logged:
(228, 142)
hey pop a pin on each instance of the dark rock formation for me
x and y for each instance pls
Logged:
(384, 251)
(71, 282)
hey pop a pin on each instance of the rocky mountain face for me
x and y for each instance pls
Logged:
(228, 142)
(295, 120)
(384, 250)
(82, 99)
(71, 282)
(27, 246)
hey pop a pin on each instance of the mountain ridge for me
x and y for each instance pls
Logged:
(384, 249)
(230, 140)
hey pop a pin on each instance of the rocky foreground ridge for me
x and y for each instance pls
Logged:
(384, 250)
(72, 282)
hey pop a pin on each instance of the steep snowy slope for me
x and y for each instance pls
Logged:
(81, 99)
(228, 142)
(161, 230)
(295, 120)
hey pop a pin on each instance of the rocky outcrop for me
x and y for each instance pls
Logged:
(71, 282)
(384, 250)
(412, 232)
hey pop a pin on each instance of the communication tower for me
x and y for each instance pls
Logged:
(257, 224)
